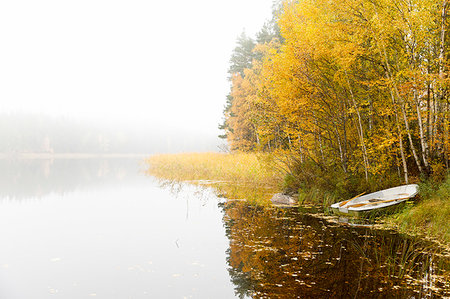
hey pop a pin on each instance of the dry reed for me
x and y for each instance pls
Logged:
(237, 175)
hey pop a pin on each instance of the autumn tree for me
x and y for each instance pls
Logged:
(239, 128)
(355, 87)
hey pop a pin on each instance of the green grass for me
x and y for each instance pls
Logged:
(431, 215)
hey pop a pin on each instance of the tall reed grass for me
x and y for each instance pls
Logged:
(237, 175)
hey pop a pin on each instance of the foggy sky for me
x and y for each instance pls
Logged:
(146, 63)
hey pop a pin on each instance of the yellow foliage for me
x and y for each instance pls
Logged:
(356, 84)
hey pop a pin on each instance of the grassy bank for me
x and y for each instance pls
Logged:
(249, 176)
(238, 175)
(431, 215)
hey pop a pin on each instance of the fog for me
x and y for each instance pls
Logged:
(153, 70)
(29, 133)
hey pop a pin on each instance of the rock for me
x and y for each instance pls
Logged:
(283, 199)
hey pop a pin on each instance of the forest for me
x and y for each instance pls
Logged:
(348, 95)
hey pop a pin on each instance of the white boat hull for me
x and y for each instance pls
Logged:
(377, 200)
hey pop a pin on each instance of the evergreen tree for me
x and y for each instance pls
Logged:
(242, 56)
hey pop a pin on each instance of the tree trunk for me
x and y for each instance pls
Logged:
(423, 141)
(408, 132)
(300, 148)
(402, 151)
(400, 140)
(402, 106)
(428, 124)
(341, 152)
(360, 131)
(442, 39)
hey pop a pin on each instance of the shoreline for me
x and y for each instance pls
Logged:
(247, 178)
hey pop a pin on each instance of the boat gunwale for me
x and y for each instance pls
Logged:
(381, 194)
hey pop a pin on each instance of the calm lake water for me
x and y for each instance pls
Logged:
(82, 228)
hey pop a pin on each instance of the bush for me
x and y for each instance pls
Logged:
(318, 184)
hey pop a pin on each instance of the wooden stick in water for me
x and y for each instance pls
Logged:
(374, 203)
(345, 202)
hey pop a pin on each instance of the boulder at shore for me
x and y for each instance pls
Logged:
(283, 199)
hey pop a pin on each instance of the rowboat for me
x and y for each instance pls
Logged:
(377, 200)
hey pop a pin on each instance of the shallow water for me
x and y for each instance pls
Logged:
(275, 252)
(100, 228)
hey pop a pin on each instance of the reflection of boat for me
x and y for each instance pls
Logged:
(377, 200)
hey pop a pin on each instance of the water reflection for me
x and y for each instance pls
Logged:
(30, 178)
(117, 234)
(101, 229)
(284, 253)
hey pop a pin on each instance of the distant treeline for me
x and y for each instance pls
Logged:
(33, 178)
(28, 133)
(346, 89)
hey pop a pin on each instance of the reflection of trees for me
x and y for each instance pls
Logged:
(283, 253)
(21, 179)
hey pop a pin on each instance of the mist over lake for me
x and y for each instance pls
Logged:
(31, 133)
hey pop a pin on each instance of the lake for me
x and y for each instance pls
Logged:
(83, 228)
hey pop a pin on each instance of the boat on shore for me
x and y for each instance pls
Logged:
(376, 201)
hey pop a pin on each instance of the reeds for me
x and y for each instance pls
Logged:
(237, 175)
(400, 260)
